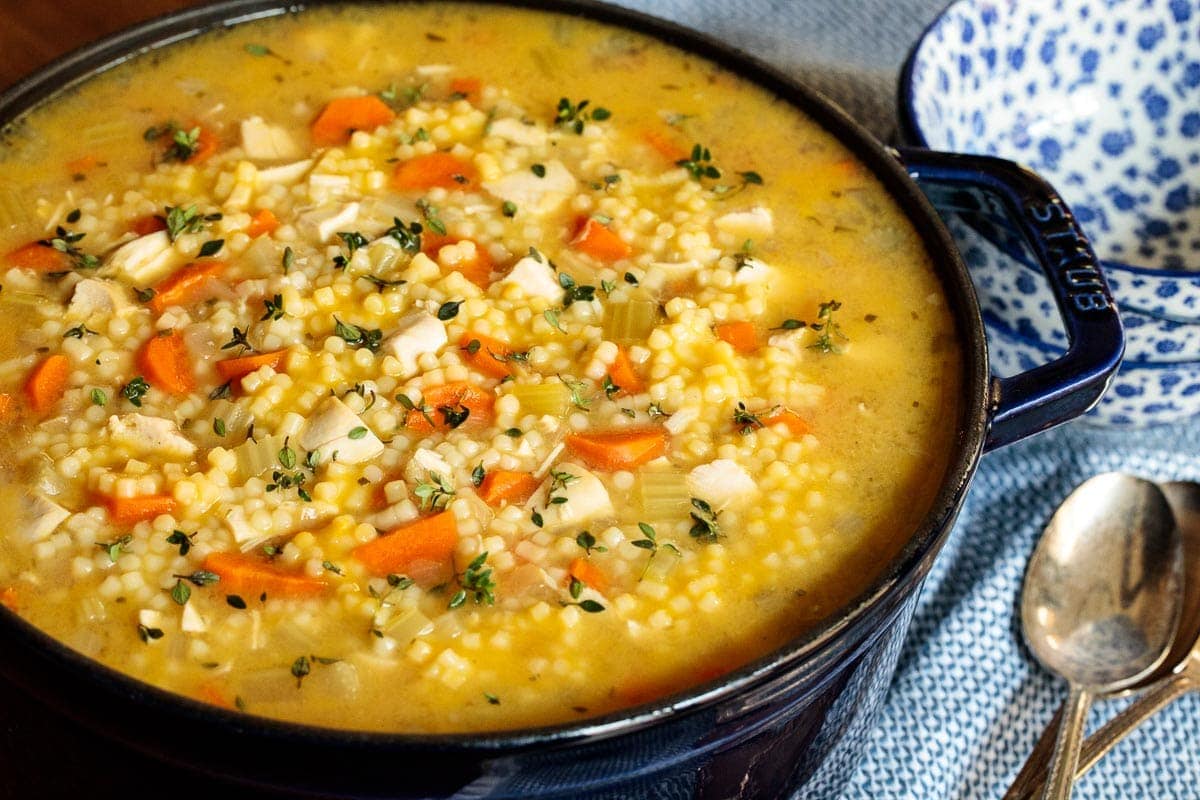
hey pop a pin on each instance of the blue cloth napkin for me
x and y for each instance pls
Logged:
(968, 701)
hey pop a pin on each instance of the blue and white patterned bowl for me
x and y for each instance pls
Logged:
(1101, 97)
(1141, 393)
(1018, 300)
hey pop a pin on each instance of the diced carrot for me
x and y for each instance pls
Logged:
(206, 145)
(428, 539)
(486, 354)
(186, 285)
(233, 368)
(209, 692)
(249, 576)
(343, 116)
(586, 571)
(262, 223)
(165, 363)
(790, 419)
(37, 257)
(46, 383)
(132, 510)
(668, 147)
(506, 486)
(434, 170)
(8, 598)
(467, 87)
(624, 376)
(477, 269)
(432, 242)
(454, 397)
(742, 335)
(82, 165)
(151, 223)
(599, 241)
(614, 450)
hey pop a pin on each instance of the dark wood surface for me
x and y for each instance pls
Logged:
(34, 32)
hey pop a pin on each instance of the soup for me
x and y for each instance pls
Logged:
(525, 372)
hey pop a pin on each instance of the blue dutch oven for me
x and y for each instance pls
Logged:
(794, 720)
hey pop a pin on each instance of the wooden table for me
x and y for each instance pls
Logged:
(32, 32)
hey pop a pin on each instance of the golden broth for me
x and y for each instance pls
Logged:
(858, 404)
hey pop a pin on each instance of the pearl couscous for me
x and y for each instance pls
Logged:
(444, 368)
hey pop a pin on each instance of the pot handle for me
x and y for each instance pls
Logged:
(1070, 385)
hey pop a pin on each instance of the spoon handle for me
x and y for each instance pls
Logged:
(1033, 773)
(1066, 747)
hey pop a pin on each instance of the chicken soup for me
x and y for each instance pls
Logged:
(443, 367)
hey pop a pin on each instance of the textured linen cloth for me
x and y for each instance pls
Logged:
(968, 702)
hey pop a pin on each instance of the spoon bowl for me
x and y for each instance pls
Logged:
(1101, 599)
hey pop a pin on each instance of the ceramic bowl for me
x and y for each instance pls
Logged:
(1018, 300)
(1102, 99)
(1140, 393)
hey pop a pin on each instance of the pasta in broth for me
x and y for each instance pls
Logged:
(524, 372)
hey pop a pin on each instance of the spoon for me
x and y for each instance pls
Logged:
(1101, 599)
(1177, 675)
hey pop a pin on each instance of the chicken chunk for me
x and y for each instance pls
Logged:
(263, 141)
(585, 499)
(531, 193)
(535, 278)
(150, 435)
(415, 335)
(721, 483)
(336, 431)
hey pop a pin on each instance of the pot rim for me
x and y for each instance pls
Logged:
(904, 572)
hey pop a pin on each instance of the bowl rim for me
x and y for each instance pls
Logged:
(895, 583)
(909, 130)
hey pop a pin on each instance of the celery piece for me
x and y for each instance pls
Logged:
(255, 458)
(100, 136)
(14, 213)
(664, 495)
(631, 321)
(406, 625)
(540, 399)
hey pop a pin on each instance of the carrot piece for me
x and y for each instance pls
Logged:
(37, 257)
(132, 510)
(82, 164)
(614, 450)
(666, 146)
(452, 397)
(186, 285)
(165, 362)
(477, 269)
(151, 223)
(46, 383)
(467, 87)
(434, 170)
(624, 376)
(8, 598)
(486, 354)
(251, 576)
(600, 242)
(209, 692)
(231, 368)
(262, 223)
(505, 486)
(432, 242)
(742, 335)
(788, 418)
(343, 116)
(587, 572)
(429, 539)
(206, 145)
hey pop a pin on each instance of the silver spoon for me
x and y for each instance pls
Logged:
(1101, 599)
(1176, 676)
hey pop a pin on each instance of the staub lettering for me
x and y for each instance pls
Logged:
(1070, 257)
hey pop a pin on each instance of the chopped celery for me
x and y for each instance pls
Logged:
(406, 624)
(664, 495)
(14, 213)
(631, 321)
(540, 399)
(255, 458)
(99, 135)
